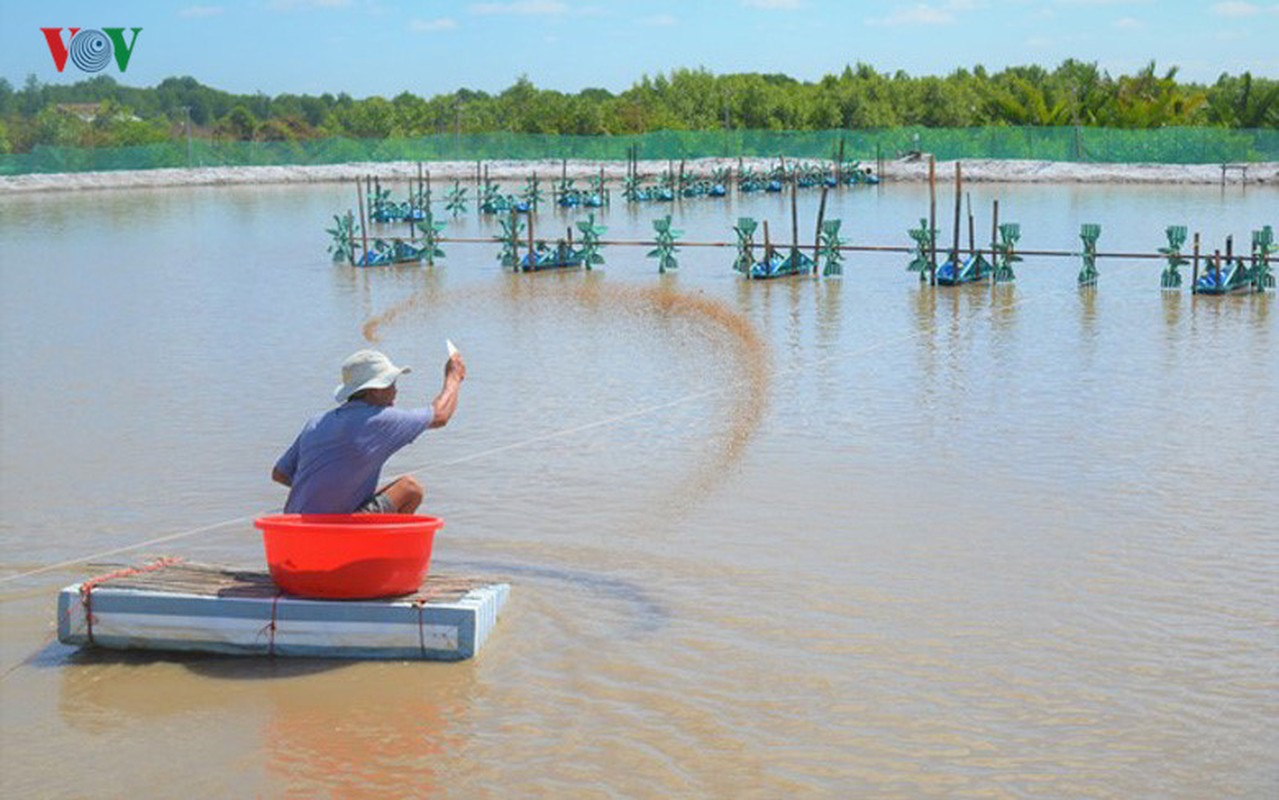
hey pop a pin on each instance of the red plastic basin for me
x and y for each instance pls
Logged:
(348, 556)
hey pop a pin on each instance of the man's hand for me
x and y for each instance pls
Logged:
(455, 368)
(446, 402)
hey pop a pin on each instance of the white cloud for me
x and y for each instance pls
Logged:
(921, 14)
(1234, 8)
(938, 13)
(1129, 24)
(659, 21)
(774, 5)
(1104, 2)
(520, 8)
(201, 11)
(432, 25)
(288, 5)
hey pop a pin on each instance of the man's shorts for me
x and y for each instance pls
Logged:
(377, 504)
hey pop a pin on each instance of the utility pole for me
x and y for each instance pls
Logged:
(186, 111)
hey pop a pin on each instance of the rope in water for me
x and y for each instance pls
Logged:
(639, 412)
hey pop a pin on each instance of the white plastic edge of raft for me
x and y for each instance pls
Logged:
(134, 619)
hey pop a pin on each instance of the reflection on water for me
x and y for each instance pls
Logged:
(858, 537)
(320, 727)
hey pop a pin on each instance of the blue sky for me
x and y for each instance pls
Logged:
(383, 47)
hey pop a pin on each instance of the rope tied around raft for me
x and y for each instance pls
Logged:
(270, 628)
(86, 588)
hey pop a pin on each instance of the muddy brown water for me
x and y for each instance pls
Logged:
(852, 537)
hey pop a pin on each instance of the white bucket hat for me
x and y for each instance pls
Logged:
(366, 369)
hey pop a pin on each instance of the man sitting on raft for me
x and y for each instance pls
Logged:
(334, 464)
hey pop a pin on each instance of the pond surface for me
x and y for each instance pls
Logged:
(850, 537)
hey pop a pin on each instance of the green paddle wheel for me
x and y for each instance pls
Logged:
(631, 188)
(566, 194)
(1089, 234)
(1171, 276)
(532, 193)
(595, 191)
(379, 200)
(455, 199)
(491, 200)
(1005, 252)
(590, 250)
(1263, 247)
(745, 230)
(431, 230)
(512, 227)
(924, 239)
(343, 233)
(666, 249)
(828, 245)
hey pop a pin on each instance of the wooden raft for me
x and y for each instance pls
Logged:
(181, 606)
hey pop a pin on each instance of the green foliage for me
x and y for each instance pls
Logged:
(1244, 102)
(1075, 111)
(239, 123)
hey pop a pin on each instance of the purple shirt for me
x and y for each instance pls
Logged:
(335, 462)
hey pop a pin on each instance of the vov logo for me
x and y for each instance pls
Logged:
(90, 49)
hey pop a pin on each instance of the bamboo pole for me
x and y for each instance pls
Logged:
(994, 240)
(846, 248)
(1194, 279)
(532, 257)
(959, 207)
(768, 247)
(839, 164)
(411, 205)
(932, 221)
(972, 230)
(794, 224)
(364, 232)
(817, 237)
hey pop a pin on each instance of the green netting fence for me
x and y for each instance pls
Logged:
(1102, 145)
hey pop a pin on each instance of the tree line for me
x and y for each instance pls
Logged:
(100, 112)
